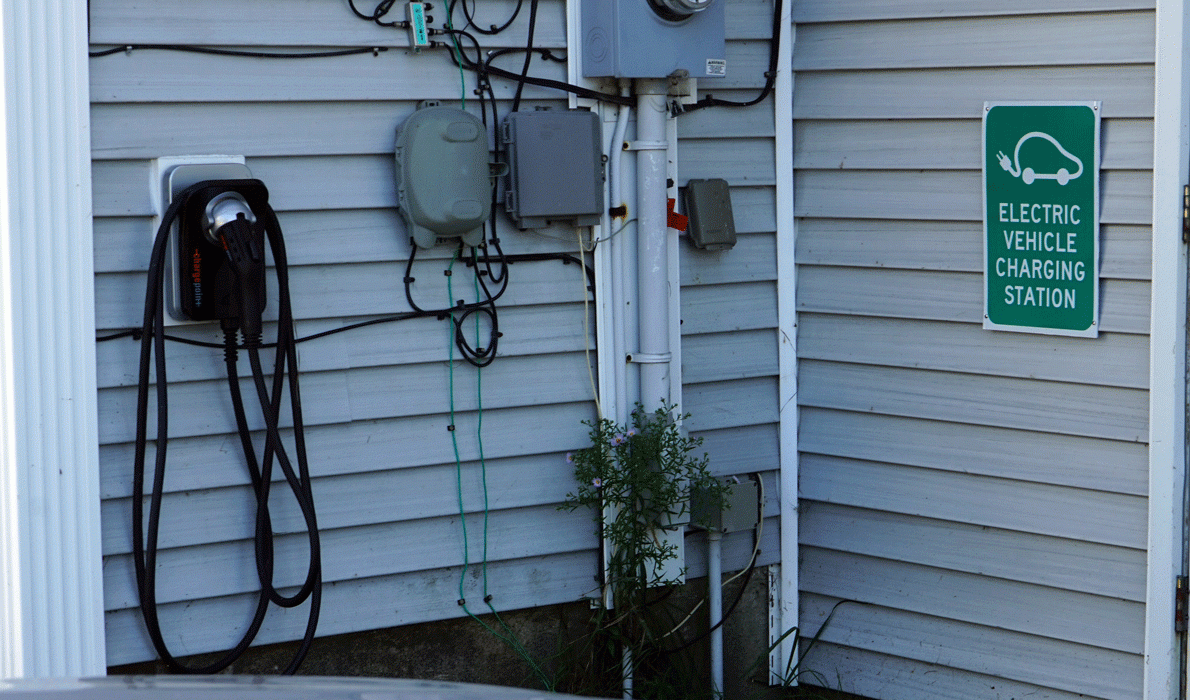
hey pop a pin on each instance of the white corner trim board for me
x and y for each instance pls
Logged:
(787, 353)
(1167, 347)
(51, 598)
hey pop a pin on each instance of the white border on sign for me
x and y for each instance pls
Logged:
(1093, 168)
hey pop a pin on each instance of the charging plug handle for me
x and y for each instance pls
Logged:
(222, 210)
(243, 242)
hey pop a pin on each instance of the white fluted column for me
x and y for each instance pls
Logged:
(51, 600)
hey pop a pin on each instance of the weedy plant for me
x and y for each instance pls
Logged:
(637, 480)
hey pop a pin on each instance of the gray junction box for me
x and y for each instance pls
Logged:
(555, 167)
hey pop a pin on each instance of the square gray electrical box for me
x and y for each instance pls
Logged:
(741, 513)
(654, 38)
(555, 167)
(708, 204)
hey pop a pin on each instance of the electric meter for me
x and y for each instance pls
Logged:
(678, 10)
(654, 38)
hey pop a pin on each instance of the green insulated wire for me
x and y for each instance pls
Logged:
(509, 637)
(454, 40)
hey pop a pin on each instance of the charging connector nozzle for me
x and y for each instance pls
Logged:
(243, 241)
(223, 209)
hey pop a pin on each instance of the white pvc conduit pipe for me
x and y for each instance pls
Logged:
(652, 273)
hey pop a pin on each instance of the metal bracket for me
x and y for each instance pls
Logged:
(1181, 605)
(1186, 214)
(645, 358)
(647, 146)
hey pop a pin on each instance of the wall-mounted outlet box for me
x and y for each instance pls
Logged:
(708, 204)
(741, 511)
(169, 176)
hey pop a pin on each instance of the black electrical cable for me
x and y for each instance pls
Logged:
(494, 29)
(707, 632)
(539, 82)
(520, 86)
(145, 544)
(566, 258)
(770, 75)
(739, 595)
(480, 357)
(546, 54)
(138, 333)
(382, 9)
(185, 48)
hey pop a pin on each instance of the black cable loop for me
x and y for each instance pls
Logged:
(501, 279)
(145, 552)
(480, 357)
(144, 545)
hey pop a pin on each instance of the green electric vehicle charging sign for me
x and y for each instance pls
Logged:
(1041, 217)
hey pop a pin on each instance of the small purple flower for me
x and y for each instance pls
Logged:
(618, 439)
(597, 482)
(570, 458)
(631, 432)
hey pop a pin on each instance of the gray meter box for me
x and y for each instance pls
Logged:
(443, 181)
(634, 39)
(712, 223)
(555, 167)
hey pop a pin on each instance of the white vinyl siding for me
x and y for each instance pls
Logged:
(729, 298)
(319, 133)
(980, 495)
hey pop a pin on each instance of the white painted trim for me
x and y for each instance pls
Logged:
(1167, 347)
(787, 337)
(51, 598)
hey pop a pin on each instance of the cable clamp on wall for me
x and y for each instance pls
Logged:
(648, 358)
(647, 145)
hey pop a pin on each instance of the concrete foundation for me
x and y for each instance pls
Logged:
(462, 650)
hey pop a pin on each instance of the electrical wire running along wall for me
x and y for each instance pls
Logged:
(981, 495)
(319, 132)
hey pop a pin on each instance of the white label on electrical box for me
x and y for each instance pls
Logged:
(716, 66)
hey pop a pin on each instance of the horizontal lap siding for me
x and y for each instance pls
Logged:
(319, 133)
(977, 498)
(729, 298)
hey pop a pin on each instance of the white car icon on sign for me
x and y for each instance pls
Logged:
(1028, 175)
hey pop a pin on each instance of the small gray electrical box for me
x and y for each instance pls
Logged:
(708, 204)
(741, 513)
(443, 181)
(555, 167)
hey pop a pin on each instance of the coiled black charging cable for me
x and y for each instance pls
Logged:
(244, 243)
